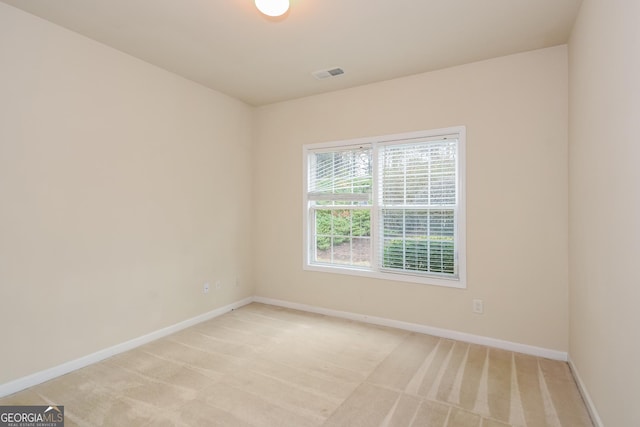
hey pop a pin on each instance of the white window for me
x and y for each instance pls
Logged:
(389, 207)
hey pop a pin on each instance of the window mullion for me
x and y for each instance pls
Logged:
(429, 240)
(351, 234)
(331, 239)
(375, 231)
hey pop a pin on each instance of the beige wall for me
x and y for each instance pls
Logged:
(605, 206)
(515, 110)
(123, 188)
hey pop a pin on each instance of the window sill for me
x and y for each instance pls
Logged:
(459, 283)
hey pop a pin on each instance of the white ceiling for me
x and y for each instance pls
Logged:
(229, 46)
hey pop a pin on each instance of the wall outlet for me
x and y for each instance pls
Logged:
(205, 288)
(478, 306)
(218, 285)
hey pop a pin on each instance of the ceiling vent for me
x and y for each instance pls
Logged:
(325, 74)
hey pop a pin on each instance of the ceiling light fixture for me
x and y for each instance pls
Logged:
(273, 7)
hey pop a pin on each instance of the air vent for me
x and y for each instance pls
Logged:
(325, 74)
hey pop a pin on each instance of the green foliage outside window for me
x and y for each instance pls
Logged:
(434, 256)
(341, 225)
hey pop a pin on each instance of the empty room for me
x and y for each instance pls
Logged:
(319, 213)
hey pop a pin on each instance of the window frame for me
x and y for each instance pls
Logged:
(376, 270)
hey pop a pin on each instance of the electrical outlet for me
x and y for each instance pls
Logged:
(478, 306)
(218, 285)
(205, 288)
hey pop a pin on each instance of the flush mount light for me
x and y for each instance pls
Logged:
(273, 7)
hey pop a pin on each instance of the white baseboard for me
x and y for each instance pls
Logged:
(48, 374)
(593, 412)
(429, 330)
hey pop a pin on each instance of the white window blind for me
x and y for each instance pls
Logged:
(417, 206)
(341, 175)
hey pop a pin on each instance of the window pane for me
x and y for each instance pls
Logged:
(416, 255)
(342, 252)
(322, 253)
(419, 173)
(392, 223)
(361, 251)
(418, 240)
(323, 229)
(441, 257)
(441, 223)
(333, 239)
(341, 223)
(341, 173)
(416, 224)
(361, 225)
(393, 254)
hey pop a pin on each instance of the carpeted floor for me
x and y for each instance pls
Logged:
(269, 366)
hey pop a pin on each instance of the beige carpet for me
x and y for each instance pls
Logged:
(268, 366)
